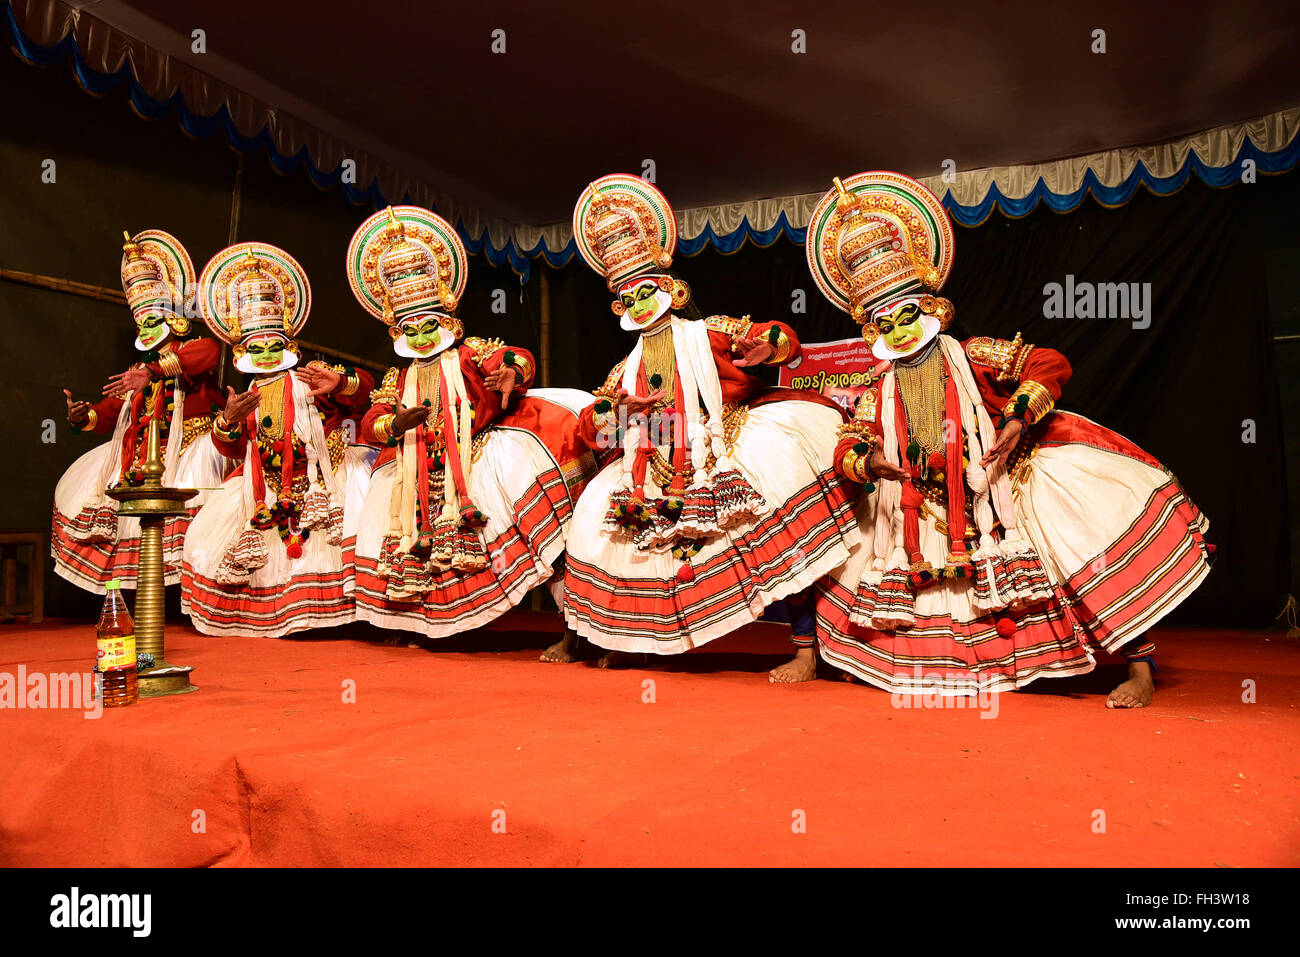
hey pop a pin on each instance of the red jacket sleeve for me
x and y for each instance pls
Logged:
(475, 363)
(521, 360)
(195, 357)
(1017, 379)
(383, 401)
(105, 411)
(596, 422)
(860, 437)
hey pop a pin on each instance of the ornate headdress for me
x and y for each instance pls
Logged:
(404, 262)
(252, 291)
(877, 239)
(158, 279)
(626, 230)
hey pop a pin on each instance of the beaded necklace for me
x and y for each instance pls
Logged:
(922, 387)
(660, 361)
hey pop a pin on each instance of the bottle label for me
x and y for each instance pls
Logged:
(114, 654)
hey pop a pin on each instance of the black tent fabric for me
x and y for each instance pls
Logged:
(1197, 388)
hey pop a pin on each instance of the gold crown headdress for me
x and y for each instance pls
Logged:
(407, 260)
(157, 277)
(254, 289)
(876, 237)
(624, 227)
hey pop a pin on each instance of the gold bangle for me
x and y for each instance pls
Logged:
(1038, 402)
(92, 421)
(781, 349)
(383, 427)
(521, 367)
(227, 430)
(354, 383)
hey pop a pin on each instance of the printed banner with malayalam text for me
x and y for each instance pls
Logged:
(839, 370)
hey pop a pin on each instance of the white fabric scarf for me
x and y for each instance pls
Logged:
(697, 373)
(113, 465)
(308, 427)
(992, 489)
(405, 489)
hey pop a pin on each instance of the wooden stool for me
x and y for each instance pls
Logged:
(34, 606)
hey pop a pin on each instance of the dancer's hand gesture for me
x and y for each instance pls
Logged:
(882, 468)
(503, 380)
(1005, 443)
(754, 352)
(128, 381)
(408, 417)
(638, 405)
(78, 411)
(238, 405)
(319, 381)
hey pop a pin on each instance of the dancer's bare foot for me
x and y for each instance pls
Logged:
(616, 659)
(802, 667)
(1138, 691)
(565, 650)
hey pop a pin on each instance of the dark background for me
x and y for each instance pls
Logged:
(1223, 345)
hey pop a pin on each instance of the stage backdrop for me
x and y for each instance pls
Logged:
(1190, 387)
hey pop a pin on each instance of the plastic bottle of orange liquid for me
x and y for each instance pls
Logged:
(115, 652)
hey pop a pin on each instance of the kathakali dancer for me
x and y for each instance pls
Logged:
(175, 384)
(1003, 539)
(723, 499)
(266, 555)
(475, 484)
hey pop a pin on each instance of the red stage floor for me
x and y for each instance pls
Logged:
(717, 770)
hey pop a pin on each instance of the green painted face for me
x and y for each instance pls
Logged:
(902, 329)
(640, 302)
(423, 335)
(151, 330)
(266, 354)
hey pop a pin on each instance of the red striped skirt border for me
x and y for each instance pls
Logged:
(92, 565)
(519, 559)
(793, 546)
(317, 600)
(1154, 565)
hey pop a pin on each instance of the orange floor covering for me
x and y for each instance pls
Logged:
(444, 749)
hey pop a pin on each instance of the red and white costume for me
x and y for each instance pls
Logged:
(90, 543)
(265, 555)
(723, 499)
(469, 510)
(969, 580)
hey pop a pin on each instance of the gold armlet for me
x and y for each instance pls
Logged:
(858, 430)
(482, 349)
(170, 363)
(730, 326)
(386, 394)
